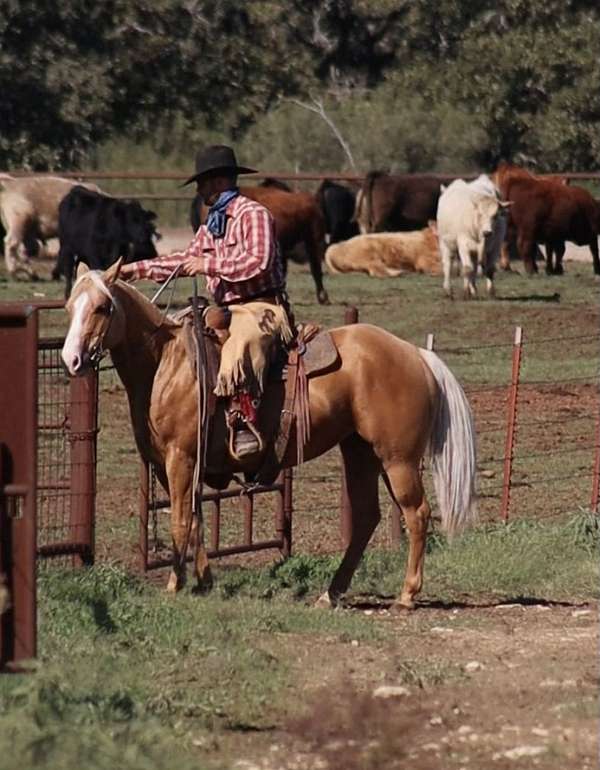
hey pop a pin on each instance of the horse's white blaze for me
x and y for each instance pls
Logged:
(72, 349)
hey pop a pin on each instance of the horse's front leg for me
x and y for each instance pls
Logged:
(201, 565)
(180, 473)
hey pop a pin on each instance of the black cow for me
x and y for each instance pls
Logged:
(337, 203)
(98, 229)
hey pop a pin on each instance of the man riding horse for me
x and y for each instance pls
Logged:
(236, 250)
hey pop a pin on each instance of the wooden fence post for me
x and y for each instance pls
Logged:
(511, 422)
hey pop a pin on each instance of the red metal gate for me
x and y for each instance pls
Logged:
(47, 467)
(151, 504)
(18, 423)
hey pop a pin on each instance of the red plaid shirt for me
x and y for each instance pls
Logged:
(244, 263)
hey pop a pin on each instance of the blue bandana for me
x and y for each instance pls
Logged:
(216, 214)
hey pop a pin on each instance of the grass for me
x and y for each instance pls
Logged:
(131, 677)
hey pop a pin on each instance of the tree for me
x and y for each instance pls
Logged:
(74, 73)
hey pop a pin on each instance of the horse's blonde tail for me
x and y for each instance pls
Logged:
(452, 449)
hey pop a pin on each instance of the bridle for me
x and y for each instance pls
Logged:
(97, 351)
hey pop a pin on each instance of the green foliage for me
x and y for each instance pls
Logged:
(74, 74)
(412, 86)
(584, 528)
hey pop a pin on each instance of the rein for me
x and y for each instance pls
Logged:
(98, 351)
(205, 405)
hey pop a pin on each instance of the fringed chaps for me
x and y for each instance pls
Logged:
(244, 358)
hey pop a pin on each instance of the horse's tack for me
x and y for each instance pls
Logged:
(313, 353)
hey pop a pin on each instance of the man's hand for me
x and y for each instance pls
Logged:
(192, 266)
(126, 272)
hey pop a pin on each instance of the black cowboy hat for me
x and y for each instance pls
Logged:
(217, 157)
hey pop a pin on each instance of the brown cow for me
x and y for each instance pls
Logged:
(298, 220)
(395, 203)
(545, 210)
(387, 254)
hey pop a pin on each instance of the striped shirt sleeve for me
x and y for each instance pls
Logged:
(160, 268)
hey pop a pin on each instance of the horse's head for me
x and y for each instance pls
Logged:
(96, 319)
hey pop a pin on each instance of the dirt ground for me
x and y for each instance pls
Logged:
(518, 689)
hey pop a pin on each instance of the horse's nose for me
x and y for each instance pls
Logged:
(75, 363)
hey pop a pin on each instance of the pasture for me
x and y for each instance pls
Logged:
(494, 669)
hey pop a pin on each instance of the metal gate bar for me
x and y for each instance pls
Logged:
(283, 518)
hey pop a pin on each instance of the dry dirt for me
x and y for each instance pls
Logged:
(476, 687)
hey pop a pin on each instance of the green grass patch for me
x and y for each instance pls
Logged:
(131, 677)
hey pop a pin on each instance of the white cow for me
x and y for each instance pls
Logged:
(471, 223)
(29, 214)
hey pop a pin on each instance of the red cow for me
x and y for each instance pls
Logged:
(547, 211)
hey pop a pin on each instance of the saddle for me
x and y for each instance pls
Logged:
(311, 353)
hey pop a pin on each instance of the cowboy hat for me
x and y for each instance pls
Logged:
(217, 157)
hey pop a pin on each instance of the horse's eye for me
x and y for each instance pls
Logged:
(102, 310)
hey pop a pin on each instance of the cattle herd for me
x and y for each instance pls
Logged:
(389, 225)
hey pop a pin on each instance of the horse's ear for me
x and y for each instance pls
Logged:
(82, 268)
(111, 275)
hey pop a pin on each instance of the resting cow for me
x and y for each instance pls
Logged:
(29, 213)
(471, 224)
(298, 220)
(97, 229)
(399, 202)
(337, 202)
(385, 255)
(547, 211)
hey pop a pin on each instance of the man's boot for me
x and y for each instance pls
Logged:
(245, 440)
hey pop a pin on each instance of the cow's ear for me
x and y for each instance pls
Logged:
(111, 275)
(82, 268)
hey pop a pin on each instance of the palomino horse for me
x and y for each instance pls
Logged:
(385, 404)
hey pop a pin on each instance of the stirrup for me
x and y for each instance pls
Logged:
(248, 427)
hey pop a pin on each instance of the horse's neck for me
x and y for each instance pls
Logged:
(138, 354)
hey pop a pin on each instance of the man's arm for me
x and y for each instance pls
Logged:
(160, 268)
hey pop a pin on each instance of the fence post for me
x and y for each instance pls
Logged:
(144, 501)
(596, 472)
(82, 437)
(283, 513)
(350, 317)
(215, 524)
(247, 505)
(511, 422)
(18, 482)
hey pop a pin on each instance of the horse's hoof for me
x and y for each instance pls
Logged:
(402, 606)
(323, 297)
(204, 585)
(327, 602)
(174, 583)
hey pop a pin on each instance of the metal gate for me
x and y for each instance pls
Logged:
(48, 426)
(152, 505)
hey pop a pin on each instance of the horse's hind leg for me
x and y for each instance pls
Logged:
(404, 483)
(362, 470)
